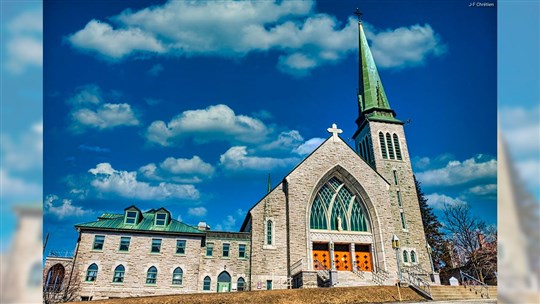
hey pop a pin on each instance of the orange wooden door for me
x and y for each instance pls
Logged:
(323, 256)
(363, 261)
(342, 260)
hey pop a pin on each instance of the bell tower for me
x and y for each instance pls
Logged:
(380, 141)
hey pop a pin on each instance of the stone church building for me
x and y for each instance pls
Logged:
(330, 222)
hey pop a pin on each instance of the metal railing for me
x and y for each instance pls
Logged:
(358, 271)
(60, 253)
(323, 273)
(380, 275)
(415, 281)
(474, 284)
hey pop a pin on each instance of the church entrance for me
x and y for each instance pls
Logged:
(342, 257)
(224, 282)
(363, 258)
(321, 256)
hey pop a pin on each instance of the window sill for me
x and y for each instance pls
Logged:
(89, 282)
(243, 258)
(180, 254)
(225, 258)
(271, 247)
(177, 286)
(123, 251)
(117, 283)
(150, 284)
(154, 253)
(96, 250)
(209, 257)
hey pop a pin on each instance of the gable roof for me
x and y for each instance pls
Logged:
(112, 221)
(298, 165)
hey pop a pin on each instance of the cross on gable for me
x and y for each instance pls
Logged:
(335, 131)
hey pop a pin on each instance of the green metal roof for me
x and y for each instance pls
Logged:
(111, 221)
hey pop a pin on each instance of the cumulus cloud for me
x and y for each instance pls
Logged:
(482, 190)
(23, 153)
(457, 172)
(24, 43)
(63, 208)
(228, 224)
(183, 170)
(217, 122)
(438, 201)
(309, 146)
(90, 111)
(404, 46)
(303, 39)
(237, 159)
(107, 180)
(286, 140)
(20, 188)
(197, 211)
(114, 43)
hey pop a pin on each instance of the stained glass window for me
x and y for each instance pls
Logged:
(383, 145)
(397, 147)
(389, 146)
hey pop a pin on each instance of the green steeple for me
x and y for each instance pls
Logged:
(372, 101)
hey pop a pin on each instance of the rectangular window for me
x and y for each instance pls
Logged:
(161, 219)
(226, 250)
(156, 246)
(403, 220)
(242, 251)
(124, 243)
(395, 178)
(180, 247)
(209, 249)
(99, 240)
(268, 284)
(399, 198)
(131, 217)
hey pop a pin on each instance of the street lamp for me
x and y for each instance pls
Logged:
(395, 246)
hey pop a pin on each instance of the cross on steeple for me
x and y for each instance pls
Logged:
(335, 131)
(358, 13)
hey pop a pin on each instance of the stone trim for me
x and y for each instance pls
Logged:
(342, 237)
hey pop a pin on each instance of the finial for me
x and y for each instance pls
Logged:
(335, 131)
(358, 13)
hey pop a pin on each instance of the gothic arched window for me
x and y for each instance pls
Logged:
(389, 145)
(91, 273)
(55, 277)
(383, 145)
(397, 147)
(413, 256)
(405, 256)
(177, 276)
(269, 232)
(206, 283)
(119, 274)
(151, 275)
(336, 208)
(240, 284)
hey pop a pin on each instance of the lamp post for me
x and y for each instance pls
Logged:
(395, 246)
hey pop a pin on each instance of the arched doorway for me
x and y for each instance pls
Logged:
(224, 282)
(340, 228)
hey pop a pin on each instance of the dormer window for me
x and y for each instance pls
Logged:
(131, 217)
(160, 219)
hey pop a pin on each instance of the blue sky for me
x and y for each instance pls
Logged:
(189, 107)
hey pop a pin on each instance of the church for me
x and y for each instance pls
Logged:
(344, 216)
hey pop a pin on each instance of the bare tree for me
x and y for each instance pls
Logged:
(61, 294)
(472, 240)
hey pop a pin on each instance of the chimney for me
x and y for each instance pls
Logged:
(203, 226)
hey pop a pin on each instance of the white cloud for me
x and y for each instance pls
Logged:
(438, 201)
(303, 39)
(24, 44)
(102, 38)
(183, 170)
(237, 159)
(228, 224)
(89, 111)
(217, 122)
(197, 211)
(309, 146)
(456, 172)
(123, 183)
(489, 189)
(521, 130)
(65, 209)
(107, 116)
(23, 153)
(286, 140)
(404, 46)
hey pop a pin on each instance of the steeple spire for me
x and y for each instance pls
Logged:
(372, 101)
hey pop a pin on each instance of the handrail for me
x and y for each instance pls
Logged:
(419, 284)
(358, 271)
(379, 275)
(467, 279)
